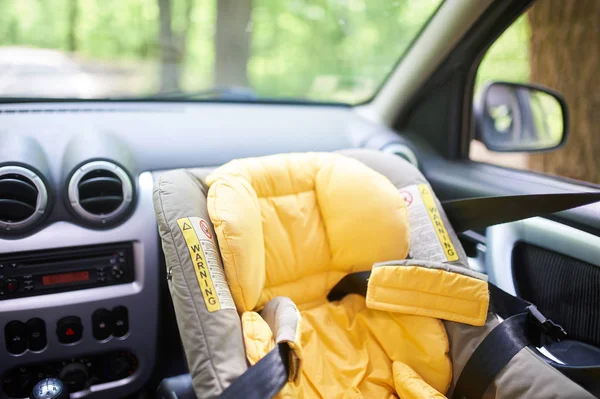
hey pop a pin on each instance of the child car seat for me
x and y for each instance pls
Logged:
(259, 254)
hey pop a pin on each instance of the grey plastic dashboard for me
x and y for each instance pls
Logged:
(159, 136)
(143, 138)
(173, 135)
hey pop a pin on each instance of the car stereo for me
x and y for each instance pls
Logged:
(66, 269)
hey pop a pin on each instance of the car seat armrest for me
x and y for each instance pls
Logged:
(178, 387)
(283, 318)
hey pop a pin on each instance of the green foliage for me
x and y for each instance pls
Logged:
(508, 58)
(332, 50)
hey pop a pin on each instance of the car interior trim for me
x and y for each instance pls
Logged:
(141, 297)
(541, 232)
(439, 37)
(403, 151)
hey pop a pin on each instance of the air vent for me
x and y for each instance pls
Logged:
(100, 192)
(23, 198)
(403, 151)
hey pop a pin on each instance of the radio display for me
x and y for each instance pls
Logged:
(65, 278)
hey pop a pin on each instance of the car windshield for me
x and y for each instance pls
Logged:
(281, 50)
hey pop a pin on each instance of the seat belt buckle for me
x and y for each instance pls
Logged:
(548, 327)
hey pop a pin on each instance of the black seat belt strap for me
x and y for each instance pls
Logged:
(492, 354)
(263, 380)
(353, 283)
(523, 325)
(506, 305)
(473, 213)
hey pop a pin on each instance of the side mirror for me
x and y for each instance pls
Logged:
(514, 117)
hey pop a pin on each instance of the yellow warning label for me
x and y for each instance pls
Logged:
(203, 274)
(438, 223)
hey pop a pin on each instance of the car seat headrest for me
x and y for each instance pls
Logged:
(313, 217)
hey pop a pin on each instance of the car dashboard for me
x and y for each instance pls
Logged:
(81, 267)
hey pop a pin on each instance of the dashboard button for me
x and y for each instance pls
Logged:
(120, 317)
(120, 366)
(102, 324)
(19, 382)
(75, 376)
(15, 335)
(117, 272)
(36, 334)
(69, 329)
(11, 285)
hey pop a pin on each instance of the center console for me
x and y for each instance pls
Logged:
(65, 269)
(81, 305)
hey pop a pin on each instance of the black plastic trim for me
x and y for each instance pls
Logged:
(442, 110)
(466, 179)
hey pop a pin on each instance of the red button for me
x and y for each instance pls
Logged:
(69, 330)
(11, 285)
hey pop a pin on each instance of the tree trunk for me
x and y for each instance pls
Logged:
(183, 36)
(72, 33)
(565, 38)
(169, 76)
(232, 42)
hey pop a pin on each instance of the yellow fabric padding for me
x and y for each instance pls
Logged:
(293, 225)
(424, 291)
(311, 218)
(355, 352)
(349, 352)
(258, 337)
(409, 385)
(259, 341)
(237, 221)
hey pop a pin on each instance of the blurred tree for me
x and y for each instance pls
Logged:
(173, 44)
(331, 50)
(232, 42)
(169, 77)
(564, 55)
(72, 26)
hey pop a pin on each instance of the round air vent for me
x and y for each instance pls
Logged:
(402, 151)
(100, 192)
(23, 198)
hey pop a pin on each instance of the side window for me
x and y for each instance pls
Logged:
(555, 45)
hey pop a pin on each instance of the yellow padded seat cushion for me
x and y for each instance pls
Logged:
(295, 224)
(352, 351)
